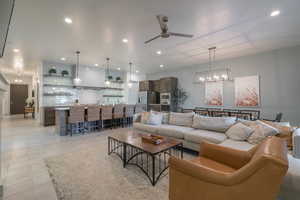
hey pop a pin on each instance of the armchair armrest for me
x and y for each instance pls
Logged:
(296, 143)
(231, 157)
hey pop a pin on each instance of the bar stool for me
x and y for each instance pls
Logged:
(76, 120)
(106, 116)
(118, 116)
(129, 112)
(92, 118)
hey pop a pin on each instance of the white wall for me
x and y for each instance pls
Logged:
(279, 72)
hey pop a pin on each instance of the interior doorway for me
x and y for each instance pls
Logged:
(18, 96)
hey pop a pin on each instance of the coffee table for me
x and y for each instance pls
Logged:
(150, 158)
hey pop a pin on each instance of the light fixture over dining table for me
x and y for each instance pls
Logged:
(213, 74)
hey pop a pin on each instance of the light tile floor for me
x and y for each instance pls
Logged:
(25, 145)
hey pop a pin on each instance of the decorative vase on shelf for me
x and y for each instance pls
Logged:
(64, 73)
(52, 71)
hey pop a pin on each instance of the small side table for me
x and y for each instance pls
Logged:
(29, 110)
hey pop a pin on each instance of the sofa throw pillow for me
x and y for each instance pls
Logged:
(283, 128)
(219, 124)
(239, 132)
(145, 117)
(155, 118)
(181, 119)
(261, 131)
(165, 117)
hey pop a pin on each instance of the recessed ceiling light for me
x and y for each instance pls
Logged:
(68, 20)
(96, 65)
(159, 52)
(125, 40)
(63, 59)
(119, 68)
(16, 50)
(161, 66)
(137, 71)
(275, 13)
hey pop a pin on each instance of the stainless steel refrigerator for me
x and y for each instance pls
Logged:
(146, 98)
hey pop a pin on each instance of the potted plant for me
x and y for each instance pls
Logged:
(180, 97)
(64, 73)
(52, 71)
(110, 77)
(118, 79)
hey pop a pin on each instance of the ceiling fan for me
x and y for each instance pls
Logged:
(162, 20)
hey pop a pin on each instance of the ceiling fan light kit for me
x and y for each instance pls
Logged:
(212, 75)
(163, 20)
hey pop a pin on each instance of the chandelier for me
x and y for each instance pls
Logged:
(212, 74)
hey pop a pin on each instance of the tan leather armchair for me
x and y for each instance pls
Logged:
(221, 173)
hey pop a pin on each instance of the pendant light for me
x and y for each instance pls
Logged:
(130, 75)
(213, 74)
(107, 82)
(77, 79)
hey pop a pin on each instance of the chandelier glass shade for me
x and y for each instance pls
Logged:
(77, 79)
(107, 72)
(212, 74)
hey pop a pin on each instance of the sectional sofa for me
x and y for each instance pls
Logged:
(182, 126)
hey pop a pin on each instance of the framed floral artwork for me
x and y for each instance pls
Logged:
(214, 93)
(247, 91)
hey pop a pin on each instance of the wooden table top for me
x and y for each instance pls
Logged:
(134, 138)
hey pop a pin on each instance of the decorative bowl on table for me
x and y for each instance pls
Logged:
(153, 139)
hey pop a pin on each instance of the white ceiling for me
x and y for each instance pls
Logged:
(236, 27)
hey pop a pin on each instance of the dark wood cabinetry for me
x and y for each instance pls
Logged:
(168, 85)
(146, 86)
(156, 86)
(49, 116)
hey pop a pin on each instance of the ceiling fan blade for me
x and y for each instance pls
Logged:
(152, 39)
(181, 35)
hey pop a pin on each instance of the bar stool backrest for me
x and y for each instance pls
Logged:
(76, 114)
(119, 111)
(93, 113)
(106, 112)
(129, 110)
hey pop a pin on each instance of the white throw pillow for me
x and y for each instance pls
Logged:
(219, 124)
(261, 131)
(155, 118)
(239, 132)
(181, 119)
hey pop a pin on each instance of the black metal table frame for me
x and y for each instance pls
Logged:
(129, 153)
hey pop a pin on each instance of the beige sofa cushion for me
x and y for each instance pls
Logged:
(239, 132)
(261, 131)
(219, 124)
(198, 136)
(181, 119)
(239, 145)
(145, 127)
(173, 131)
